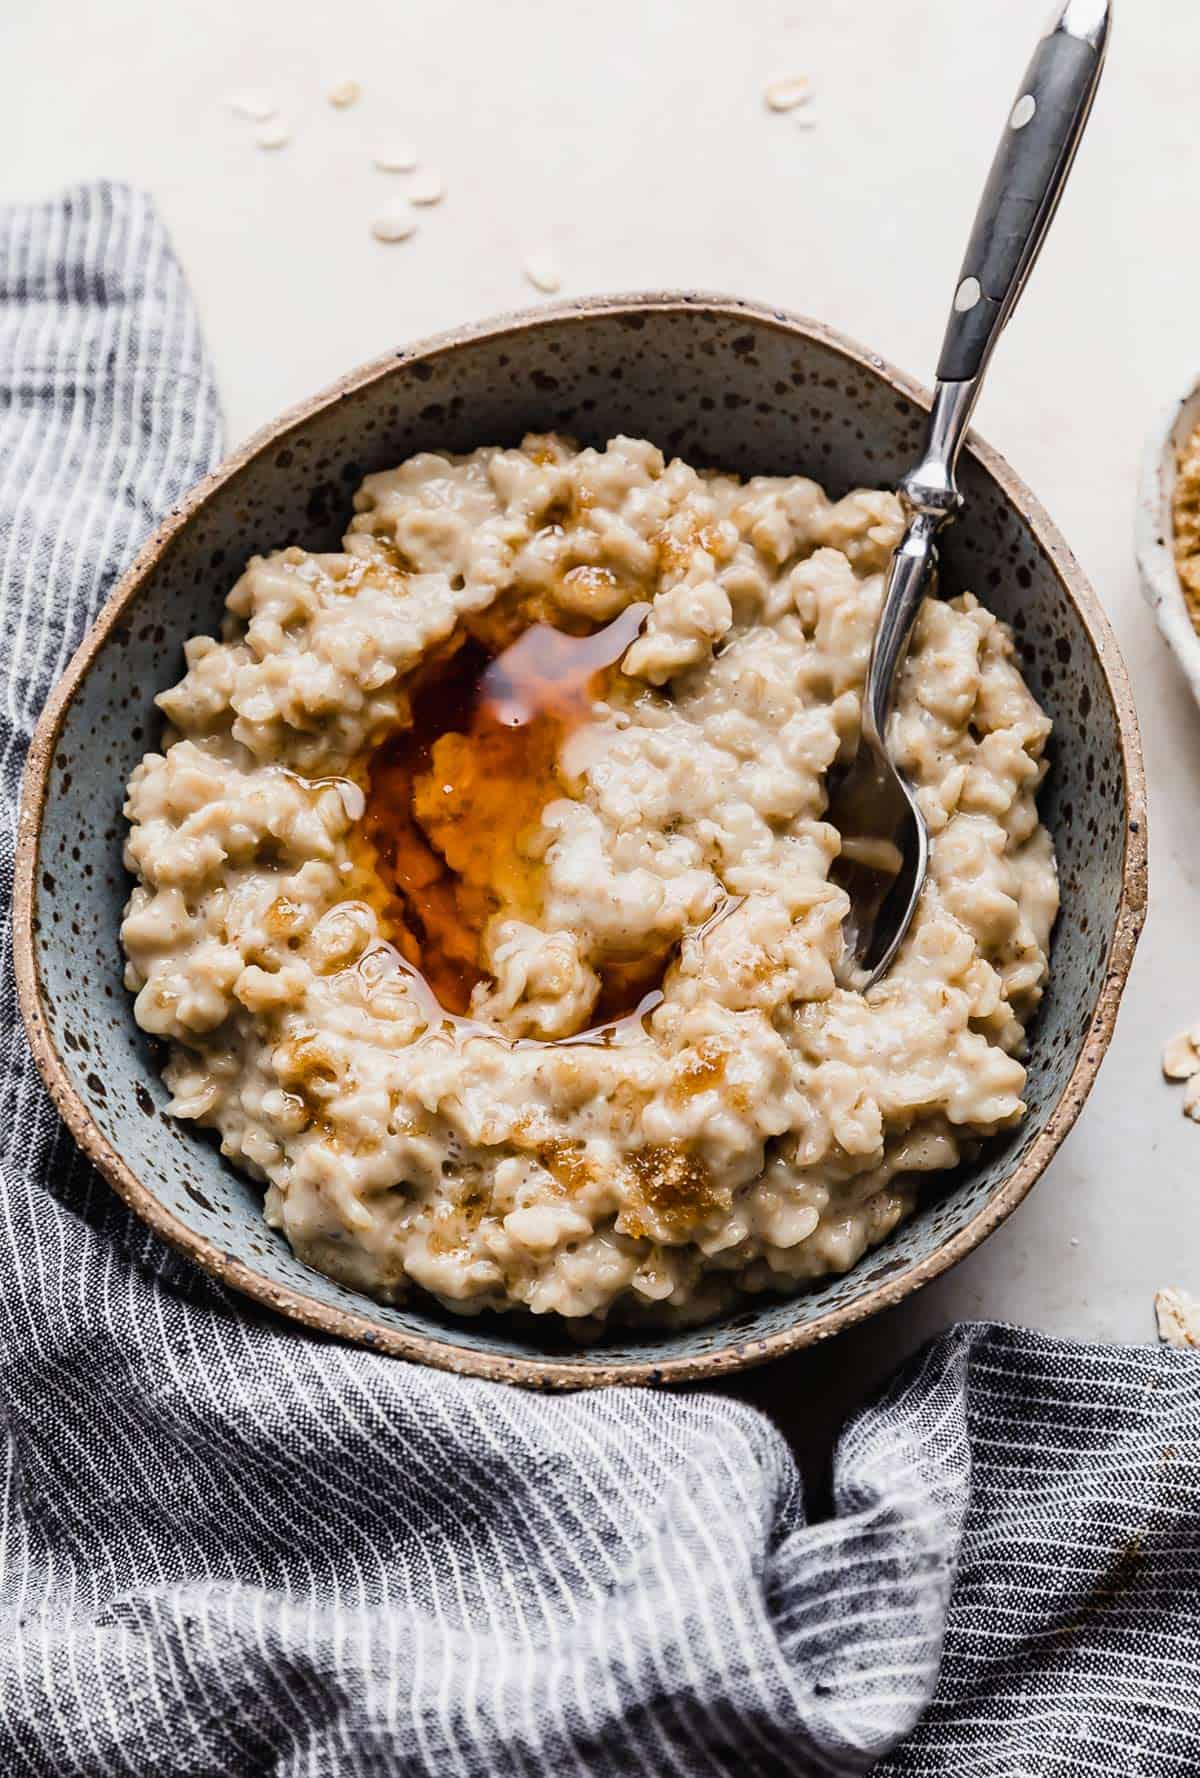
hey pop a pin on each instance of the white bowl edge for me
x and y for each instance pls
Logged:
(1154, 532)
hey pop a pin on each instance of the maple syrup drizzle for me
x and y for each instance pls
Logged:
(451, 800)
(383, 959)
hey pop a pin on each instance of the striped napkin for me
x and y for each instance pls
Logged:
(230, 1547)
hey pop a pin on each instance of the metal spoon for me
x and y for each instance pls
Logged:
(885, 845)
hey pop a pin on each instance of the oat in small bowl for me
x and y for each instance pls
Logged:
(1168, 530)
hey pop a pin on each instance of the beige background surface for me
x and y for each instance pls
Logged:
(632, 140)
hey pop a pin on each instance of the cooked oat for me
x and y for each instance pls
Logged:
(755, 1126)
(344, 93)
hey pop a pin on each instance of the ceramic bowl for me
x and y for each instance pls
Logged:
(723, 383)
(1156, 556)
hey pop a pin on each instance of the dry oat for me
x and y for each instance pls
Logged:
(542, 272)
(256, 107)
(786, 94)
(344, 93)
(1191, 1098)
(395, 157)
(427, 188)
(273, 134)
(395, 223)
(1180, 1059)
(1178, 1316)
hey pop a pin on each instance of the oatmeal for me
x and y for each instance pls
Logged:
(483, 888)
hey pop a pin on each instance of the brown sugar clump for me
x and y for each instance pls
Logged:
(700, 1070)
(567, 1163)
(675, 1187)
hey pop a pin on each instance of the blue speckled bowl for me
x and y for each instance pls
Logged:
(724, 383)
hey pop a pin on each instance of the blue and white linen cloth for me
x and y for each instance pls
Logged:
(230, 1547)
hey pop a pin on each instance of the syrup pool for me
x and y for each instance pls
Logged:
(452, 801)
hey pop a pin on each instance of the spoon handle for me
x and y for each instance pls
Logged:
(1025, 184)
(1018, 204)
(1029, 172)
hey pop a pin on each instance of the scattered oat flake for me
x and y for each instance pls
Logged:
(427, 188)
(344, 93)
(1178, 1316)
(543, 273)
(1180, 1059)
(395, 157)
(395, 223)
(274, 134)
(255, 106)
(785, 95)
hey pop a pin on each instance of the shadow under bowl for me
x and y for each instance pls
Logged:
(725, 384)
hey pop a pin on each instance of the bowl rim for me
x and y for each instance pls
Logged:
(533, 1371)
(1161, 585)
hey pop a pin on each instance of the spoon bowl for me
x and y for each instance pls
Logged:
(882, 864)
